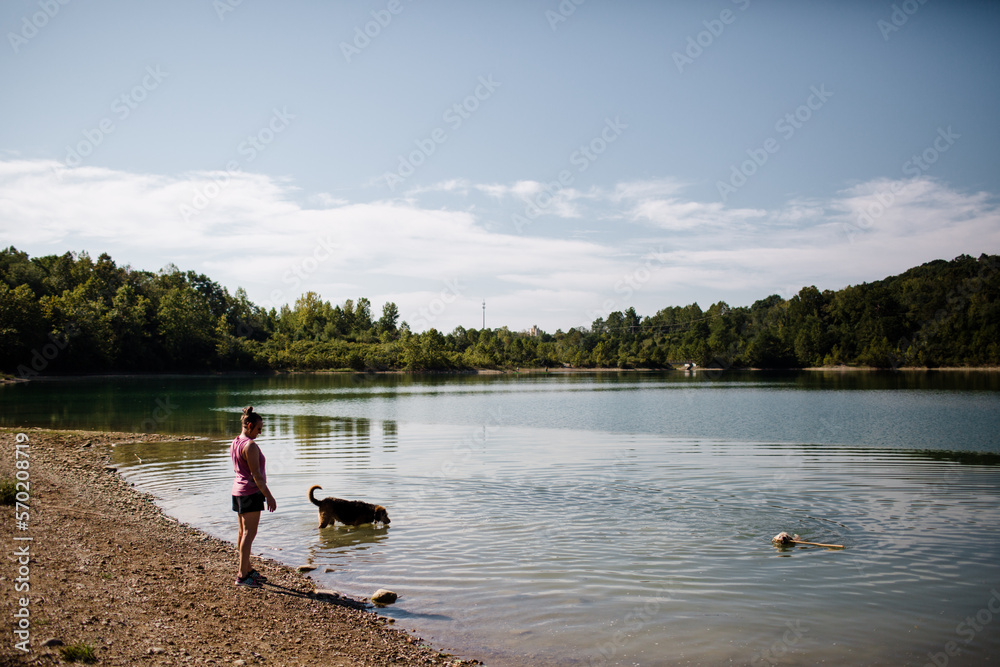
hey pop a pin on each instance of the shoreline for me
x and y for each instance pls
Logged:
(110, 570)
(6, 379)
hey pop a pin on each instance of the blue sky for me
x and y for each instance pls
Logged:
(558, 159)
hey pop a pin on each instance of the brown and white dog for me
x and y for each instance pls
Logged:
(348, 512)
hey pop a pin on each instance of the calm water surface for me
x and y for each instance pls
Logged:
(607, 519)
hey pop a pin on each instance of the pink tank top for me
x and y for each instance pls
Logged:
(244, 485)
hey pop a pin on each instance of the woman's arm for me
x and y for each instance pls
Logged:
(252, 452)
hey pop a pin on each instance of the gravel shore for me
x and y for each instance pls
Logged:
(106, 569)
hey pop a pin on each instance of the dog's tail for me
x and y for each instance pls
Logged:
(311, 489)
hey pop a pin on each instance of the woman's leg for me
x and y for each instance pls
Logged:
(248, 530)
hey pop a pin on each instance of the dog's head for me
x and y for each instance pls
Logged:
(381, 515)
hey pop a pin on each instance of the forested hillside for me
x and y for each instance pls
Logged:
(71, 314)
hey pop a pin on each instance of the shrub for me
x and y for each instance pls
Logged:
(78, 653)
(8, 491)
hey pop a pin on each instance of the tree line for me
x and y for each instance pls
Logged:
(65, 314)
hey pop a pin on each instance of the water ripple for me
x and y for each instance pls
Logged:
(555, 545)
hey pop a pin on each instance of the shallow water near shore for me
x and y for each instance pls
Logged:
(607, 519)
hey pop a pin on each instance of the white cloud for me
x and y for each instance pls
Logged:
(537, 198)
(652, 189)
(454, 185)
(678, 215)
(832, 245)
(648, 245)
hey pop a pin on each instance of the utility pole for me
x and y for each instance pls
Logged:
(484, 313)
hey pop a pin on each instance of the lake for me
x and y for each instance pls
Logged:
(606, 518)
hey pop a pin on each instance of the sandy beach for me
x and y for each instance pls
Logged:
(92, 562)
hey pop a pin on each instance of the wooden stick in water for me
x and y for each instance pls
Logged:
(817, 544)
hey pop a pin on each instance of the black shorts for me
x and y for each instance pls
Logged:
(244, 504)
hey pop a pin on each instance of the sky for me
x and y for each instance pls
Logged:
(558, 160)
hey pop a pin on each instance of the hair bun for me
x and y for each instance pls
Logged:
(250, 417)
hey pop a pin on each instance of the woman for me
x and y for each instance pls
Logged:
(249, 493)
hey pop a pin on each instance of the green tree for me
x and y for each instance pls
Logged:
(22, 327)
(390, 316)
(129, 320)
(187, 329)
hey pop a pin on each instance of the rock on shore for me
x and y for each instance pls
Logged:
(384, 597)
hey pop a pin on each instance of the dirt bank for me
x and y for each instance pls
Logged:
(107, 569)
